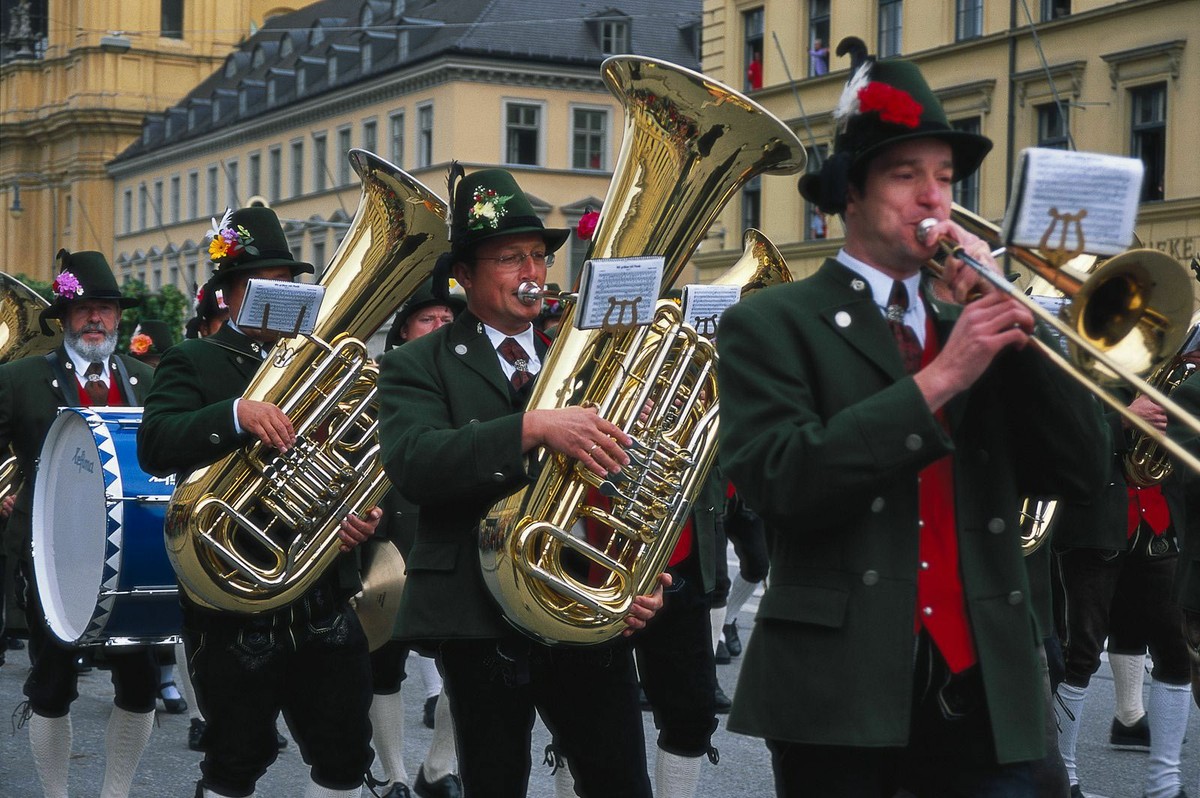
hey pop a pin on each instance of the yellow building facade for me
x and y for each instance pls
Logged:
(75, 96)
(1121, 74)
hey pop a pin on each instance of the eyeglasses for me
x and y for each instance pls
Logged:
(514, 260)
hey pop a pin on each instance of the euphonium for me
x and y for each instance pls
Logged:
(689, 145)
(253, 531)
(20, 309)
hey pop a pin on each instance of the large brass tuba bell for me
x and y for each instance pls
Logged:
(253, 531)
(689, 145)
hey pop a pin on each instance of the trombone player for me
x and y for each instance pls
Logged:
(886, 438)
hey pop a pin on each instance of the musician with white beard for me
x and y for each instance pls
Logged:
(82, 372)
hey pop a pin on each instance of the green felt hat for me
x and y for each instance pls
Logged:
(82, 275)
(423, 297)
(489, 203)
(248, 239)
(159, 334)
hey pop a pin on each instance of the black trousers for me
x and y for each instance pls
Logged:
(675, 661)
(387, 667)
(308, 661)
(1127, 594)
(586, 696)
(52, 684)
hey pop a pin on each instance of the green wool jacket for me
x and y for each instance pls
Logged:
(824, 434)
(188, 420)
(1187, 571)
(30, 395)
(450, 432)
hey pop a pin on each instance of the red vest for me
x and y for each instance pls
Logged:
(114, 392)
(941, 603)
(1149, 505)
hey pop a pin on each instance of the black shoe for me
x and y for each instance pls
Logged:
(448, 786)
(732, 641)
(723, 702)
(174, 706)
(196, 734)
(721, 657)
(1077, 791)
(280, 740)
(430, 709)
(14, 643)
(1130, 738)
(399, 790)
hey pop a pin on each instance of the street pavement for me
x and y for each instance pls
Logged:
(169, 768)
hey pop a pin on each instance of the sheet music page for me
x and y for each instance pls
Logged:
(289, 308)
(1059, 193)
(618, 292)
(703, 305)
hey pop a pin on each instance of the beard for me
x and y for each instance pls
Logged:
(93, 353)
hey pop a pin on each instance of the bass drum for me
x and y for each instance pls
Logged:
(98, 555)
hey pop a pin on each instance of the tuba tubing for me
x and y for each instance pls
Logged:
(689, 145)
(255, 530)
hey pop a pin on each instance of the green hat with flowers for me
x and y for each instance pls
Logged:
(151, 337)
(82, 275)
(884, 103)
(249, 239)
(489, 203)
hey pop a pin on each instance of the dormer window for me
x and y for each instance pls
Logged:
(316, 35)
(258, 58)
(231, 65)
(614, 35)
(286, 47)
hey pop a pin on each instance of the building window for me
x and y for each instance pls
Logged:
(752, 48)
(232, 193)
(817, 226)
(254, 174)
(193, 194)
(1052, 127)
(968, 19)
(818, 37)
(1053, 9)
(1149, 137)
(614, 36)
(522, 133)
(157, 206)
(370, 138)
(343, 147)
(966, 191)
(589, 138)
(69, 212)
(172, 19)
(176, 200)
(319, 166)
(212, 192)
(297, 168)
(274, 173)
(891, 23)
(425, 135)
(127, 211)
(318, 252)
(143, 201)
(752, 204)
(396, 138)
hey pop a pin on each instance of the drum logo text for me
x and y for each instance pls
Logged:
(82, 462)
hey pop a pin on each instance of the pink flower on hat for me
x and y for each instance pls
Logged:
(894, 105)
(66, 285)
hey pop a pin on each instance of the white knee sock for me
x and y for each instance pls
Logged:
(676, 776)
(1069, 707)
(184, 680)
(717, 617)
(314, 790)
(1128, 672)
(564, 782)
(124, 742)
(739, 592)
(1169, 707)
(387, 735)
(50, 739)
(430, 676)
(442, 759)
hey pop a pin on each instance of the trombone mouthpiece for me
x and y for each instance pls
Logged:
(923, 229)
(529, 292)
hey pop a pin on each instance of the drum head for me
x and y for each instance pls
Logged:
(70, 521)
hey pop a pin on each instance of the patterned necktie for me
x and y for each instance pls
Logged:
(96, 387)
(515, 354)
(906, 339)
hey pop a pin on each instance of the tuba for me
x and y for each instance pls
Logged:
(20, 309)
(760, 266)
(253, 531)
(689, 144)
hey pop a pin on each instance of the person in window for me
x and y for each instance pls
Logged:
(754, 75)
(818, 58)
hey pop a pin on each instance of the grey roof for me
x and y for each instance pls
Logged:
(325, 47)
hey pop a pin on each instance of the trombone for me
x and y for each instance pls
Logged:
(1112, 307)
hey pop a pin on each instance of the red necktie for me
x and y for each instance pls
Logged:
(96, 387)
(516, 355)
(906, 339)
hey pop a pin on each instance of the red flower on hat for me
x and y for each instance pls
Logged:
(140, 344)
(894, 105)
(587, 225)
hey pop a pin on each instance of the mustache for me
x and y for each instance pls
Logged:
(96, 328)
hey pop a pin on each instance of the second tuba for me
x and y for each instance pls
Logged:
(689, 145)
(255, 530)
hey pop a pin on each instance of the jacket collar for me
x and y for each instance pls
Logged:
(231, 339)
(469, 343)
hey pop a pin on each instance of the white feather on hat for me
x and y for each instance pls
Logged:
(847, 106)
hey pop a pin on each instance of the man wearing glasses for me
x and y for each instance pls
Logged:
(454, 438)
